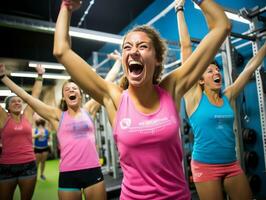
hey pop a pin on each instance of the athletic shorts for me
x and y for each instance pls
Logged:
(79, 179)
(36, 150)
(17, 171)
(203, 172)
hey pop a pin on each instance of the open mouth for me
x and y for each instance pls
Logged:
(135, 67)
(217, 80)
(72, 97)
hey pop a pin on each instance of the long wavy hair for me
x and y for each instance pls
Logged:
(160, 52)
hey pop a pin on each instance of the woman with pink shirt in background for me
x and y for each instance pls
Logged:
(80, 170)
(145, 116)
(17, 159)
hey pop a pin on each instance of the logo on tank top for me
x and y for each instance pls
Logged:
(222, 119)
(125, 123)
(148, 126)
(18, 127)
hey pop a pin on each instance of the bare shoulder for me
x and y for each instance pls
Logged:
(170, 82)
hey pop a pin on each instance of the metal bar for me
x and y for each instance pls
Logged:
(260, 94)
(49, 27)
(161, 14)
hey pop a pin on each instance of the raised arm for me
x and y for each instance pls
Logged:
(3, 117)
(79, 70)
(183, 78)
(184, 37)
(93, 106)
(47, 112)
(36, 91)
(114, 71)
(233, 90)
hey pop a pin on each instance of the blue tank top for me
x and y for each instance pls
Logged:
(214, 139)
(41, 142)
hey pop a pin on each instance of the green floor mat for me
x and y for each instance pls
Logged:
(45, 189)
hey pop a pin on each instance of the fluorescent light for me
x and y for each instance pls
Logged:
(46, 65)
(6, 93)
(230, 15)
(95, 36)
(34, 75)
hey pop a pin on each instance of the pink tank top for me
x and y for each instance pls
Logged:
(77, 142)
(150, 151)
(17, 142)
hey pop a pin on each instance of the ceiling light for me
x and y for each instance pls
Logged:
(5, 93)
(34, 75)
(95, 35)
(230, 15)
(46, 65)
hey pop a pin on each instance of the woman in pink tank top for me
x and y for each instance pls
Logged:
(17, 159)
(142, 121)
(80, 170)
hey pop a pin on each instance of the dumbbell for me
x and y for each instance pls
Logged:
(249, 136)
(255, 183)
(186, 128)
(251, 159)
(188, 156)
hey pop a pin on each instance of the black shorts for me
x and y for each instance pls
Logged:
(79, 179)
(36, 150)
(16, 171)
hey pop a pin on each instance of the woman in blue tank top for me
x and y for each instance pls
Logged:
(41, 147)
(210, 110)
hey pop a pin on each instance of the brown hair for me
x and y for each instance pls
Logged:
(40, 122)
(160, 52)
(63, 105)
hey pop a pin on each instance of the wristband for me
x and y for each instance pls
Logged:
(179, 8)
(65, 3)
(38, 78)
(2, 76)
(198, 2)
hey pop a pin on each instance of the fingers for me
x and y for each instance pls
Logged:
(72, 4)
(114, 55)
(179, 3)
(40, 69)
(2, 69)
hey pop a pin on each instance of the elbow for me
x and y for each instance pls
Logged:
(60, 50)
(225, 28)
(58, 53)
(228, 26)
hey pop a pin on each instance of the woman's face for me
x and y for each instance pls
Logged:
(15, 105)
(72, 95)
(212, 78)
(138, 57)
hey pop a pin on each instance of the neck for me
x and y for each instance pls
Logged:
(73, 111)
(213, 96)
(15, 116)
(146, 99)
